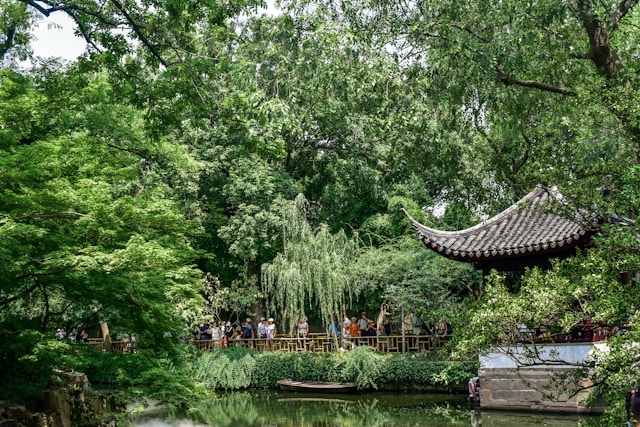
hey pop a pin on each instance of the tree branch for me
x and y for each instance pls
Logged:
(506, 78)
(8, 42)
(623, 8)
(20, 295)
(601, 52)
(37, 5)
(510, 80)
(136, 29)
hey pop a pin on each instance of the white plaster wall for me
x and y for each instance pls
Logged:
(540, 355)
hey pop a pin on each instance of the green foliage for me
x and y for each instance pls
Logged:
(413, 280)
(406, 369)
(142, 376)
(312, 270)
(115, 185)
(363, 366)
(232, 369)
(26, 362)
(222, 369)
(30, 358)
(15, 22)
(88, 225)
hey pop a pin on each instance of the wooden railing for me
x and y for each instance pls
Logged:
(322, 343)
(587, 334)
(120, 346)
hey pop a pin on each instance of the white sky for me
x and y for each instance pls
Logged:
(51, 40)
(54, 36)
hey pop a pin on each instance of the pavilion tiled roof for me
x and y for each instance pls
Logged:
(527, 228)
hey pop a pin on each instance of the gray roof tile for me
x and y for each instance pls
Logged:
(527, 227)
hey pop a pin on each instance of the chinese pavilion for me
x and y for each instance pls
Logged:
(526, 234)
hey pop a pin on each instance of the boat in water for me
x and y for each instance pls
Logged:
(317, 386)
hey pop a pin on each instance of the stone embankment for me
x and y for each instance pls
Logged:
(543, 377)
(69, 401)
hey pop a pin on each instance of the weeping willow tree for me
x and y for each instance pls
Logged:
(312, 271)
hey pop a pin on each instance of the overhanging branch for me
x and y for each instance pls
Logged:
(509, 80)
(136, 29)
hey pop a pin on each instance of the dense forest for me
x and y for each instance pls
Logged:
(206, 159)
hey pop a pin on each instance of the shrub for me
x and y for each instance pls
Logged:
(232, 369)
(363, 366)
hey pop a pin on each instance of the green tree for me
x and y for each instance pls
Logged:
(549, 89)
(312, 271)
(88, 228)
(165, 29)
(15, 22)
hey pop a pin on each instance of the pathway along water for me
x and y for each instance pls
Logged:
(276, 408)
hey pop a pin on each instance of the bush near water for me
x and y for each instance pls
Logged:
(233, 369)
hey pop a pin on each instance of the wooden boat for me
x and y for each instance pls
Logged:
(317, 386)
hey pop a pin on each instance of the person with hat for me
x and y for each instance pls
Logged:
(302, 332)
(271, 332)
(249, 326)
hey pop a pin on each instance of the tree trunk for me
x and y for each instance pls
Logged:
(257, 307)
(106, 337)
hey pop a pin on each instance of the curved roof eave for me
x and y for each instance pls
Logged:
(521, 230)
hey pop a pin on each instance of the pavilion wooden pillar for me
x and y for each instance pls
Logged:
(106, 336)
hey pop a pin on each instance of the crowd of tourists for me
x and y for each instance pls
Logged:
(129, 342)
(74, 336)
(221, 334)
(363, 327)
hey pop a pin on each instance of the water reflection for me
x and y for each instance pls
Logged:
(279, 409)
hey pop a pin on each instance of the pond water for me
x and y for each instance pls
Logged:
(280, 409)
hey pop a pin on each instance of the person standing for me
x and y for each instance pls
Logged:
(633, 407)
(262, 329)
(247, 334)
(346, 323)
(354, 331)
(371, 332)
(271, 332)
(333, 329)
(363, 323)
(126, 343)
(216, 335)
(223, 334)
(250, 327)
(302, 332)
(386, 326)
(237, 332)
